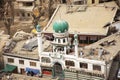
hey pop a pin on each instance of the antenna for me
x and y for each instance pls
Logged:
(59, 14)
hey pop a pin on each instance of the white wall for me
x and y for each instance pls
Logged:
(76, 61)
(26, 63)
(93, 62)
(59, 60)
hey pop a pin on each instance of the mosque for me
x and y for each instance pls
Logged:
(63, 56)
(59, 57)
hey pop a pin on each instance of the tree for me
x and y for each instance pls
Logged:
(118, 2)
(2, 3)
(50, 8)
(8, 16)
(37, 13)
(43, 9)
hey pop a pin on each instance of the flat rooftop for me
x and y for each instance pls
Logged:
(110, 46)
(30, 50)
(20, 52)
(89, 22)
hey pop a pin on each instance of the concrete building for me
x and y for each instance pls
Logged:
(59, 57)
(88, 2)
(3, 39)
(87, 20)
(23, 9)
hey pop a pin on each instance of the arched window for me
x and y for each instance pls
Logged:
(63, 40)
(45, 60)
(69, 63)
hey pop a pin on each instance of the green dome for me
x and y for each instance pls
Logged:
(60, 26)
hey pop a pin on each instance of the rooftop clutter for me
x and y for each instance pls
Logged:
(9, 46)
(60, 26)
(30, 44)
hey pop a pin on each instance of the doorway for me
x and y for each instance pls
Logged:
(22, 71)
(58, 71)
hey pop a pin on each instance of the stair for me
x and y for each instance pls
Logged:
(46, 76)
(70, 76)
(80, 76)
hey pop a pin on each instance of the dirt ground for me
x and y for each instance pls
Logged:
(27, 27)
(14, 28)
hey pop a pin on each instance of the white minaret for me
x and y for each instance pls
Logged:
(76, 44)
(39, 37)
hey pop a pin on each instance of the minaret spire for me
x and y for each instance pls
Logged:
(39, 37)
(76, 44)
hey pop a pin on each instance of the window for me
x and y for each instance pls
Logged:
(27, 4)
(79, 2)
(21, 61)
(84, 65)
(87, 39)
(23, 14)
(82, 39)
(97, 67)
(63, 40)
(69, 63)
(92, 39)
(64, 1)
(10, 60)
(102, 1)
(93, 1)
(45, 59)
(58, 40)
(32, 64)
(28, 14)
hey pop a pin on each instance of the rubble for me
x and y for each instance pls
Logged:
(9, 46)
